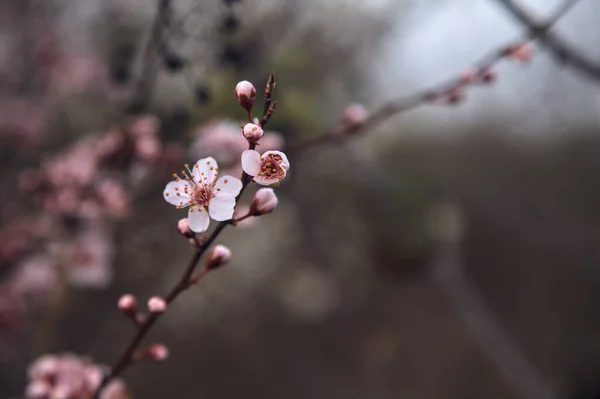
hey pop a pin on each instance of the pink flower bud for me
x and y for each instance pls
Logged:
(252, 132)
(455, 95)
(184, 228)
(520, 52)
(246, 93)
(128, 304)
(157, 305)
(265, 201)
(355, 115)
(488, 76)
(157, 352)
(219, 256)
(469, 75)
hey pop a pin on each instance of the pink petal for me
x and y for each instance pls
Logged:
(198, 219)
(205, 171)
(221, 207)
(229, 185)
(251, 162)
(265, 181)
(175, 193)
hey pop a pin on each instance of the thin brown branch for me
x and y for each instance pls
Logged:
(144, 86)
(187, 279)
(436, 92)
(563, 51)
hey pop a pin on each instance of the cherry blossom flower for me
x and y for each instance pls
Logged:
(268, 168)
(206, 196)
(69, 376)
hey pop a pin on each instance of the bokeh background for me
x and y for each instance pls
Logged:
(452, 252)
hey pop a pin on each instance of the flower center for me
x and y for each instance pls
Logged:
(201, 195)
(200, 192)
(271, 166)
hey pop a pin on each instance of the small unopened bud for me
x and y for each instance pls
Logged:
(488, 76)
(521, 52)
(157, 305)
(355, 115)
(128, 305)
(265, 201)
(469, 75)
(246, 93)
(455, 95)
(157, 352)
(252, 132)
(219, 256)
(184, 228)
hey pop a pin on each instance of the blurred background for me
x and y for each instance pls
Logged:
(452, 252)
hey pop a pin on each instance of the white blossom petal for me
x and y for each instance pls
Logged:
(175, 193)
(266, 181)
(198, 219)
(251, 162)
(229, 185)
(205, 171)
(221, 207)
(285, 164)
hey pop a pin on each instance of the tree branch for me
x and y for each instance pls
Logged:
(439, 91)
(553, 42)
(146, 80)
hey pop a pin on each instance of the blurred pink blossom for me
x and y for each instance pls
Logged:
(113, 196)
(76, 166)
(22, 118)
(88, 259)
(68, 376)
(77, 73)
(34, 278)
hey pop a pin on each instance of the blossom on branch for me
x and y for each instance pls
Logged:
(265, 201)
(219, 256)
(69, 376)
(245, 93)
(252, 132)
(267, 169)
(206, 196)
(157, 305)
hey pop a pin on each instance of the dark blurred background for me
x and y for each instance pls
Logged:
(453, 252)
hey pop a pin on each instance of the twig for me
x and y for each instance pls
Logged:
(146, 80)
(437, 92)
(553, 42)
(183, 284)
(521, 375)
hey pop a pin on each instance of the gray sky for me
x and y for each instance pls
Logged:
(435, 39)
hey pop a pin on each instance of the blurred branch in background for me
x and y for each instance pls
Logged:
(564, 52)
(450, 91)
(149, 69)
(447, 226)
